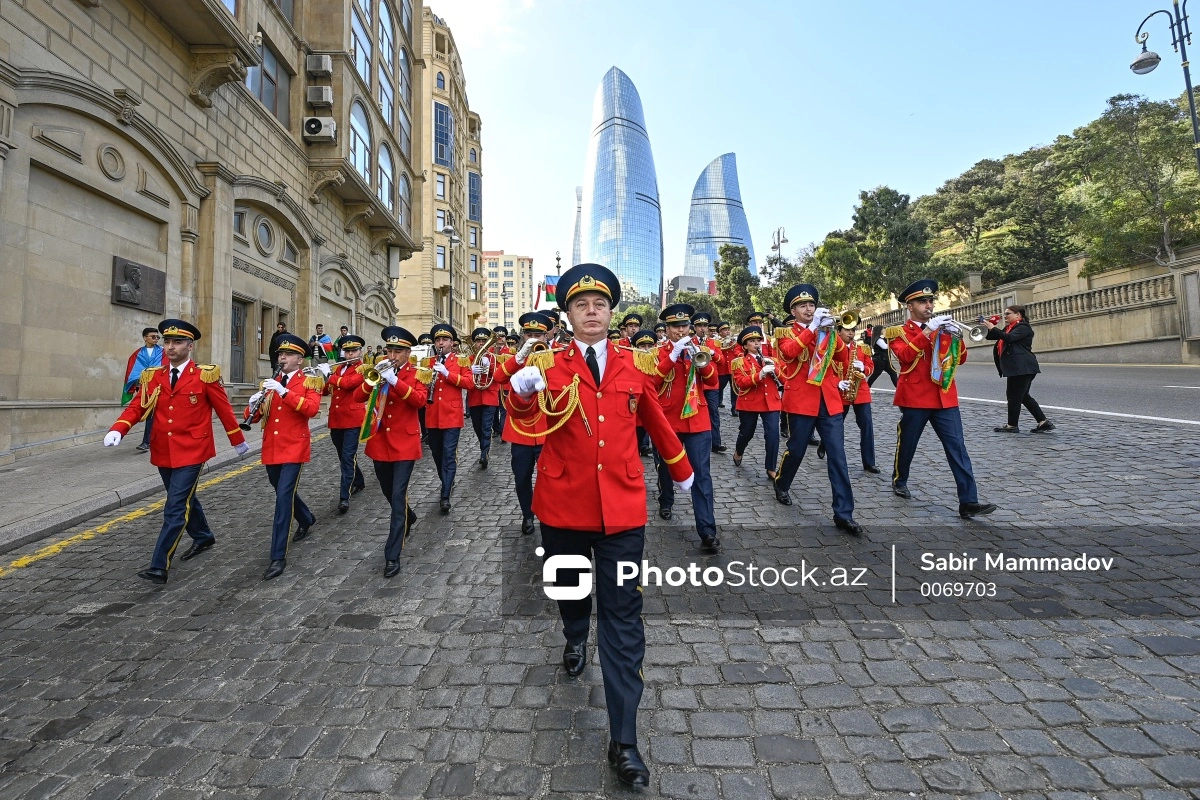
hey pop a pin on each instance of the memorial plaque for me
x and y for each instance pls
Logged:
(138, 286)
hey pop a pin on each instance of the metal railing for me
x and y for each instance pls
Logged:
(1149, 291)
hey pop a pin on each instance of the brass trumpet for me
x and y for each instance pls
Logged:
(700, 355)
(976, 333)
(312, 372)
(372, 376)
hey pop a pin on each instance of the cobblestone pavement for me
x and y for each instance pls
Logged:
(332, 681)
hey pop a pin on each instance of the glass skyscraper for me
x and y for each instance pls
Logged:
(620, 219)
(716, 218)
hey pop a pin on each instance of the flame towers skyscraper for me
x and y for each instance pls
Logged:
(716, 218)
(621, 220)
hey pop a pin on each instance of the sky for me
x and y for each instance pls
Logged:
(819, 100)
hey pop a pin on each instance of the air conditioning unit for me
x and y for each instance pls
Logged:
(320, 129)
(320, 96)
(319, 66)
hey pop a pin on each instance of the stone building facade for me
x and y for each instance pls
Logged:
(154, 162)
(511, 289)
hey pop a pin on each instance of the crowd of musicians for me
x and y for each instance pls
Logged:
(580, 401)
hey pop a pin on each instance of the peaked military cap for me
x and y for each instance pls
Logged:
(179, 329)
(588, 278)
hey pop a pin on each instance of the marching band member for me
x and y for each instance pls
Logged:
(728, 354)
(590, 494)
(289, 402)
(186, 396)
(660, 330)
(346, 410)
(525, 435)
(614, 336)
(483, 402)
(444, 408)
(929, 353)
(630, 324)
(501, 349)
(644, 341)
(701, 321)
(861, 359)
(812, 398)
(424, 338)
(392, 434)
(758, 389)
(681, 386)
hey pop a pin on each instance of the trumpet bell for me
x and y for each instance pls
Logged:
(850, 319)
(702, 359)
(977, 333)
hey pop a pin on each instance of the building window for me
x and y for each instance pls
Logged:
(405, 132)
(266, 327)
(508, 284)
(387, 36)
(405, 79)
(441, 81)
(289, 253)
(286, 7)
(492, 273)
(231, 6)
(474, 290)
(508, 273)
(441, 220)
(405, 213)
(474, 156)
(387, 103)
(441, 256)
(406, 17)
(474, 236)
(387, 177)
(239, 223)
(493, 305)
(270, 83)
(474, 263)
(360, 46)
(264, 237)
(440, 191)
(508, 263)
(475, 196)
(443, 135)
(360, 141)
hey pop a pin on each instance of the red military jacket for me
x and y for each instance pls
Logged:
(348, 405)
(517, 430)
(864, 354)
(728, 354)
(286, 438)
(398, 438)
(182, 433)
(484, 397)
(914, 350)
(796, 348)
(753, 394)
(671, 388)
(446, 410)
(590, 476)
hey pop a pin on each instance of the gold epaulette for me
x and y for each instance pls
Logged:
(315, 382)
(543, 360)
(736, 363)
(893, 332)
(464, 362)
(147, 375)
(503, 357)
(425, 375)
(210, 373)
(784, 332)
(363, 369)
(646, 361)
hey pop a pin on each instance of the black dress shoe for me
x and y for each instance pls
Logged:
(574, 658)
(154, 575)
(814, 441)
(276, 569)
(391, 569)
(783, 497)
(356, 489)
(849, 526)
(720, 448)
(871, 468)
(483, 463)
(445, 505)
(627, 761)
(196, 549)
(710, 544)
(821, 450)
(1007, 429)
(411, 518)
(720, 405)
(645, 451)
(968, 510)
(343, 506)
(901, 490)
(527, 526)
(302, 531)
(665, 513)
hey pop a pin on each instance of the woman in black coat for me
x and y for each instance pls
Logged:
(1013, 354)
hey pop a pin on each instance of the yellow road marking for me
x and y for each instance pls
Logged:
(91, 533)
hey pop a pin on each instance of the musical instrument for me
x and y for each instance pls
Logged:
(484, 379)
(562, 336)
(312, 372)
(976, 333)
(856, 378)
(246, 424)
(372, 376)
(763, 361)
(421, 355)
(439, 358)
(727, 342)
(700, 355)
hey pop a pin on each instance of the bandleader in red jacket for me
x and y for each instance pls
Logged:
(347, 408)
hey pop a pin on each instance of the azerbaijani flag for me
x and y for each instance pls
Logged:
(551, 288)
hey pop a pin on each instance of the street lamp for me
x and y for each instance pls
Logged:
(1181, 37)
(778, 240)
(454, 239)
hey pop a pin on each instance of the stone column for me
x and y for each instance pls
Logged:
(308, 290)
(213, 263)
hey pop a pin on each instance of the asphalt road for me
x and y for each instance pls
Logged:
(1168, 392)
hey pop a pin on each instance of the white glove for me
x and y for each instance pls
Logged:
(478, 369)
(389, 374)
(485, 362)
(527, 380)
(242, 448)
(685, 484)
(112, 439)
(440, 369)
(937, 322)
(768, 367)
(881, 343)
(254, 398)
(858, 365)
(523, 353)
(324, 369)
(679, 347)
(843, 385)
(272, 385)
(822, 318)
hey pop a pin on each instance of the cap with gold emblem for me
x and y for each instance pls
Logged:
(801, 293)
(351, 342)
(635, 319)
(288, 342)
(588, 278)
(701, 318)
(395, 336)
(643, 338)
(480, 334)
(614, 335)
(424, 338)
(178, 329)
(677, 314)
(749, 332)
(754, 318)
(919, 290)
(536, 322)
(442, 329)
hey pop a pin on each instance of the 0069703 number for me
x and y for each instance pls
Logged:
(955, 589)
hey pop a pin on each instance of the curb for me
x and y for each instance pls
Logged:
(42, 526)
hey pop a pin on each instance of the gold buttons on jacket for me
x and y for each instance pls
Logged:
(601, 418)
(599, 466)
(168, 433)
(602, 443)
(599, 394)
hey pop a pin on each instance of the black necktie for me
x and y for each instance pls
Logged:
(593, 365)
(174, 376)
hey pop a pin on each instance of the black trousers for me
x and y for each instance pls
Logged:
(443, 446)
(882, 365)
(483, 418)
(345, 441)
(1018, 395)
(524, 459)
(393, 480)
(620, 634)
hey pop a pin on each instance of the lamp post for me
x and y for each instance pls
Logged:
(1181, 37)
(778, 240)
(454, 239)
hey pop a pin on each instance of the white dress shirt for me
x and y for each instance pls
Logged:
(601, 351)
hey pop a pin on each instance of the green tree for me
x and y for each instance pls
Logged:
(648, 313)
(837, 270)
(734, 283)
(893, 244)
(698, 301)
(1041, 214)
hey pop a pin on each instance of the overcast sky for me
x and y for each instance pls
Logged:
(818, 99)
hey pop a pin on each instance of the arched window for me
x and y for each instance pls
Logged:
(387, 36)
(441, 81)
(404, 214)
(405, 79)
(360, 141)
(474, 156)
(387, 177)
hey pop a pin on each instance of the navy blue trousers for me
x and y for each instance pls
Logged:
(421, 418)
(832, 430)
(947, 424)
(500, 416)
(699, 451)
(483, 418)
(722, 382)
(524, 459)
(393, 480)
(181, 512)
(712, 400)
(443, 446)
(748, 422)
(345, 441)
(620, 634)
(149, 427)
(288, 505)
(866, 429)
